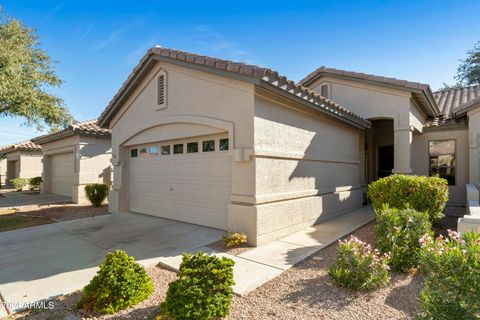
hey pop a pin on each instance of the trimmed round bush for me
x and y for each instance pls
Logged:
(425, 194)
(357, 266)
(203, 289)
(397, 232)
(452, 276)
(120, 283)
(19, 183)
(34, 183)
(96, 193)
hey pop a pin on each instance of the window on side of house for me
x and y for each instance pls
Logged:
(165, 150)
(208, 146)
(192, 147)
(442, 159)
(223, 144)
(133, 153)
(178, 148)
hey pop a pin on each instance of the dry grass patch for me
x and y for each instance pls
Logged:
(10, 222)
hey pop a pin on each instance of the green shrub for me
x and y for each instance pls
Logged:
(357, 266)
(120, 283)
(397, 232)
(203, 289)
(234, 239)
(96, 193)
(19, 183)
(452, 276)
(424, 194)
(34, 183)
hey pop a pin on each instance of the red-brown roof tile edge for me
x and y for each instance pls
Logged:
(26, 145)
(365, 76)
(254, 71)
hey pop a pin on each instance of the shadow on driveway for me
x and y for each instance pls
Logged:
(45, 261)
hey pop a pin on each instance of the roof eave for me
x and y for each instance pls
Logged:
(432, 105)
(149, 59)
(464, 111)
(54, 137)
(355, 122)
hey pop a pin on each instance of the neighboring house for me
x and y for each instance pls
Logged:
(74, 157)
(240, 147)
(22, 160)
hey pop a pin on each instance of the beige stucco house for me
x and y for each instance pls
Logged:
(22, 160)
(74, 157)
(240, 147)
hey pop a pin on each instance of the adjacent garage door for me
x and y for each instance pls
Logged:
(187, 180)
(61, 173)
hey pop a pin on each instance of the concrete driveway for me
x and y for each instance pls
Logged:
(45, 261)
(11, 199)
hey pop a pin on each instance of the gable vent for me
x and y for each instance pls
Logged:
(161, 89)
(324, 90)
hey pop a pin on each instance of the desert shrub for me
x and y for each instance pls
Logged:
(357, 266)
(452, 276)
(96, 193)
(120, 283)
(19, 183)
(424, 194)
(397, 232)
(34, 183)
(234, 239)
(203, 289)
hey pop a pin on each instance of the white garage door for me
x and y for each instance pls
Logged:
(61, 173)
(187, 180)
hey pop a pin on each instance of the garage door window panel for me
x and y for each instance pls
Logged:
(192, 147)
(165, 150)
(178, 148)
(223, 144)
(134, 153)
(153, 150)
(208, 146)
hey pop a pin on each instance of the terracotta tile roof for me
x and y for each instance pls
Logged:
(420, 91)
(454, 100)
(244, 71)
(89, 127)
(364, 76)
(26, 145)
(86, 128)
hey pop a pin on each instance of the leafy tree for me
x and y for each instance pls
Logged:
(26, 72)
(468, 72)
(447, 86)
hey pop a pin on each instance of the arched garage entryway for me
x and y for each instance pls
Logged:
(181, 171)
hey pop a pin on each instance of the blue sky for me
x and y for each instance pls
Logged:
(97, 43)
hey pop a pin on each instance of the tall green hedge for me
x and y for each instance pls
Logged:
(424, 194)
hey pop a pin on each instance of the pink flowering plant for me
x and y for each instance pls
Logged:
(452, 276)
(397, 231)
(358, 266)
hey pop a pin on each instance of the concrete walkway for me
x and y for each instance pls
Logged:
(13, 199)
(259, 265)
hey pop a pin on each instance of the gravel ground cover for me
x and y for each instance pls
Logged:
(302, 292)
(234, 251)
